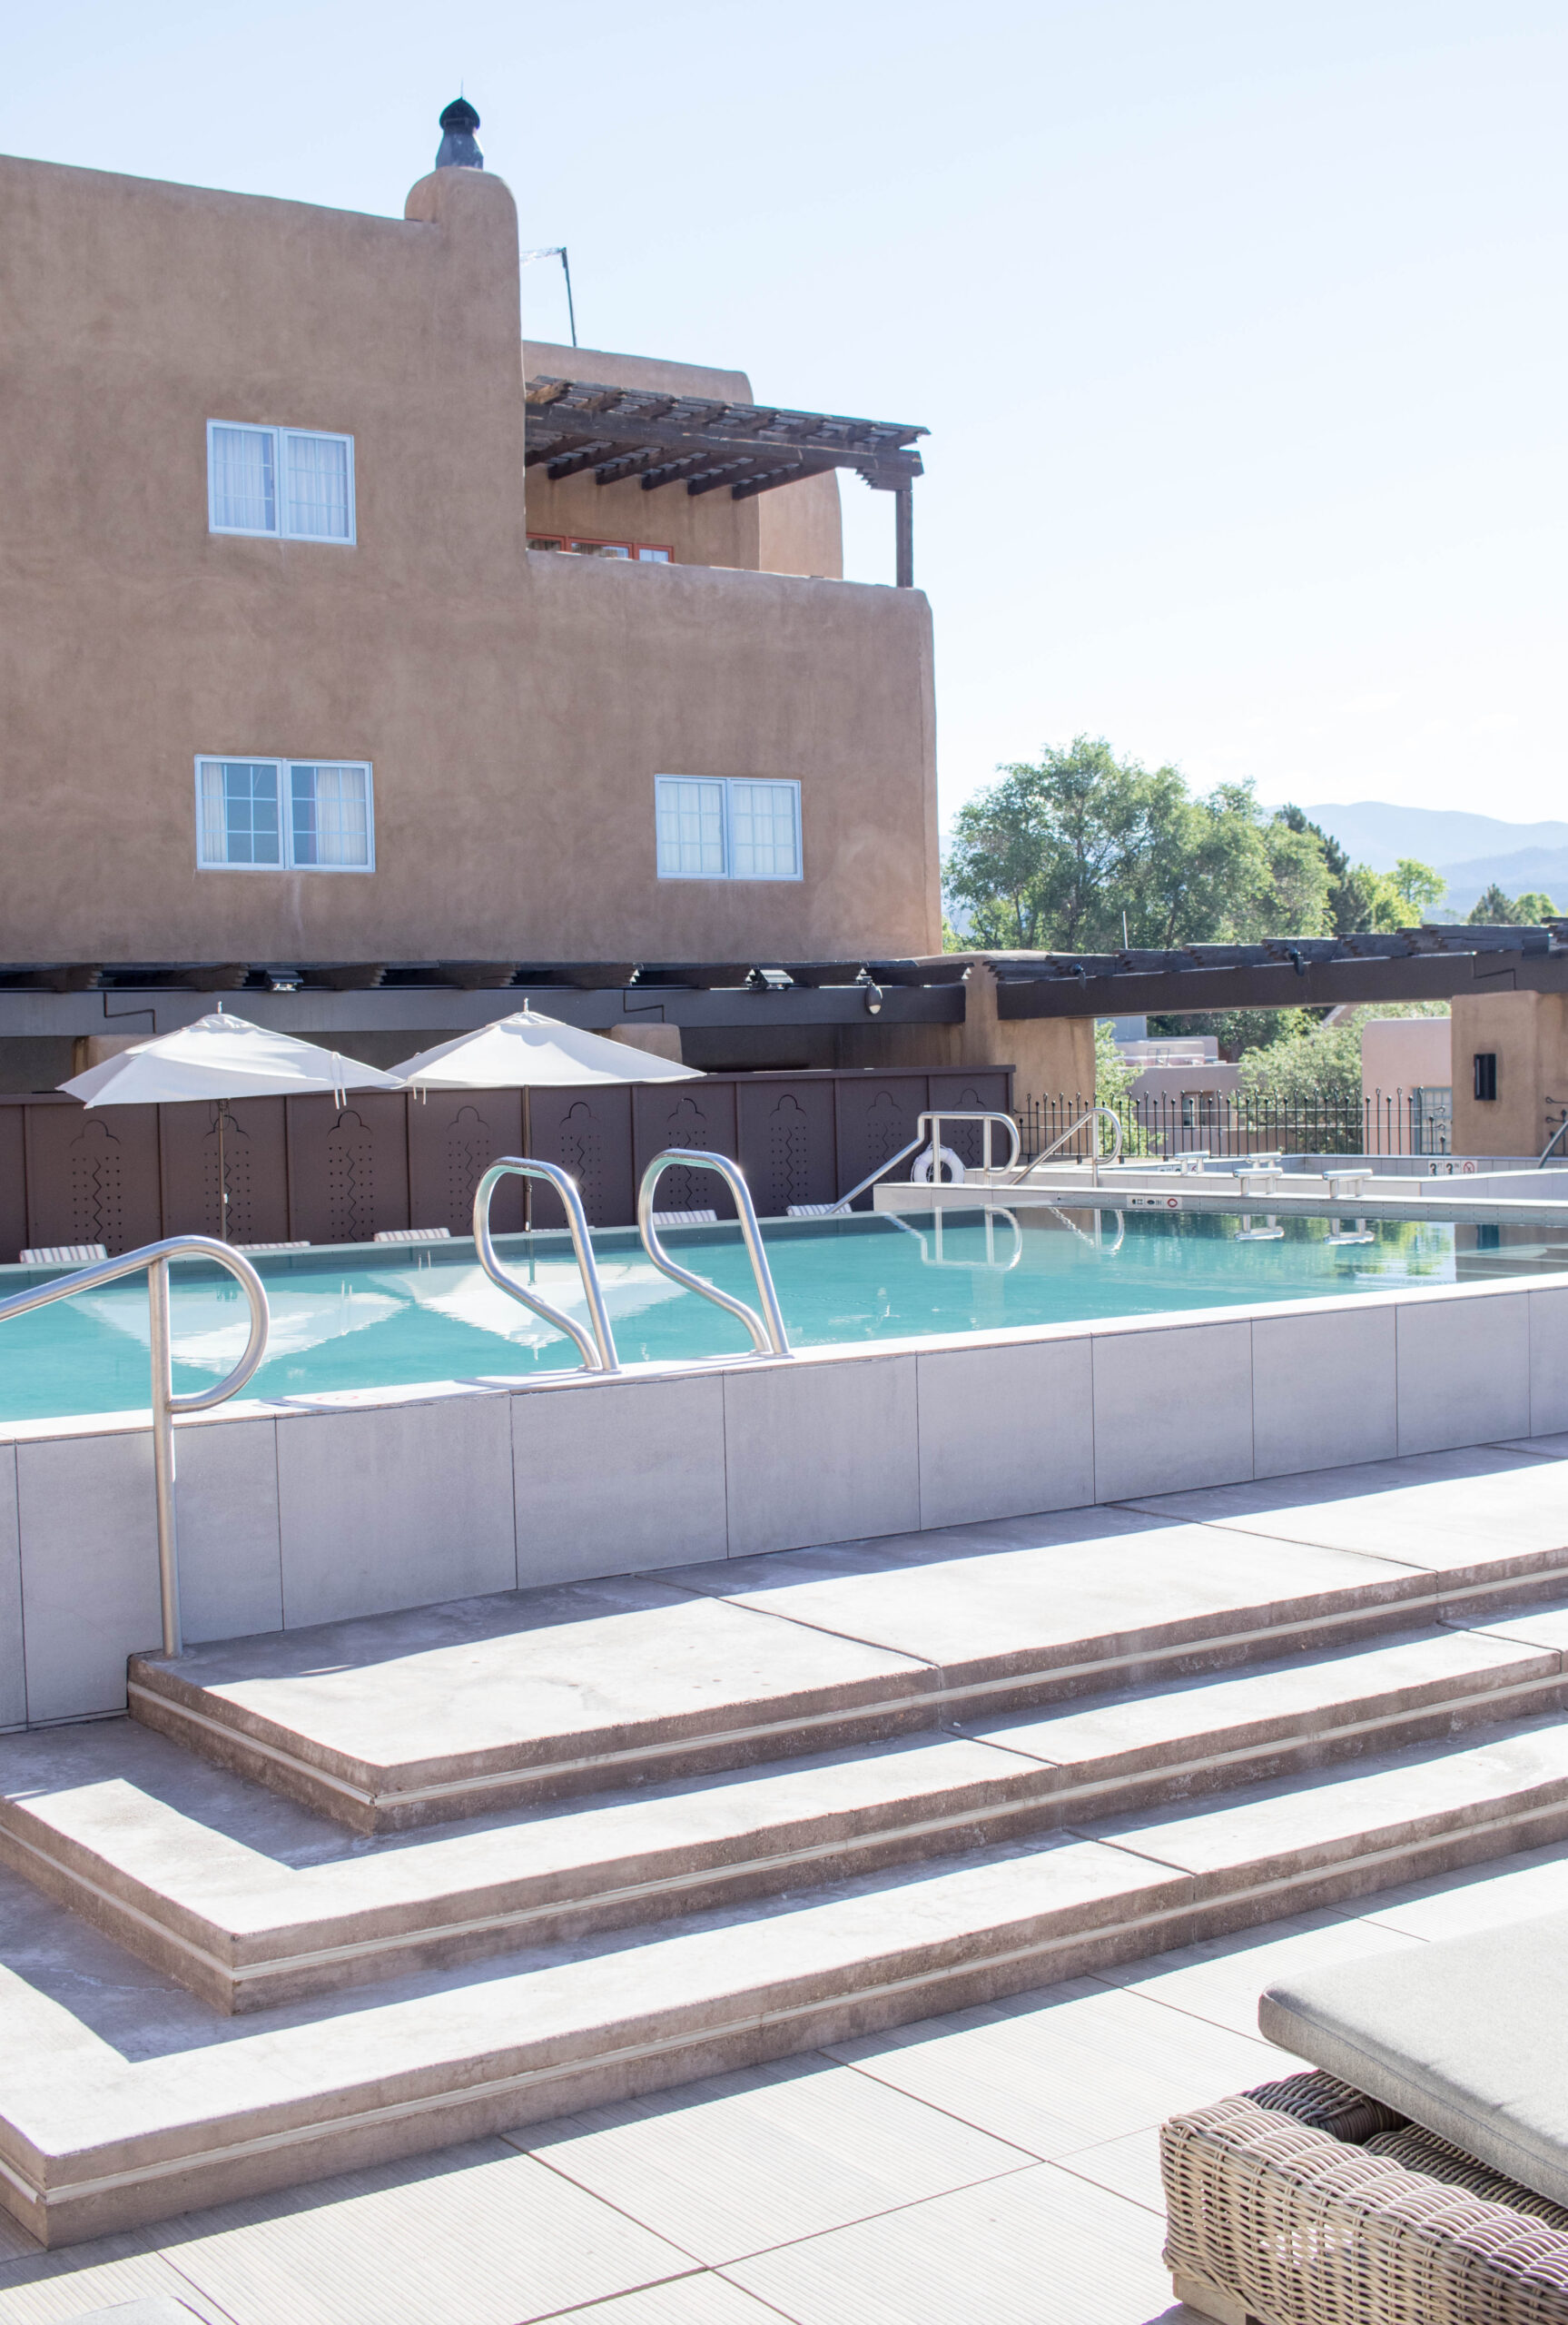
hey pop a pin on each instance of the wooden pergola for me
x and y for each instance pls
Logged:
(574, 425)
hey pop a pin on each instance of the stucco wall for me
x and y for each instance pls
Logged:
(1528, 1033)
(1405, 1054)
(516, 707)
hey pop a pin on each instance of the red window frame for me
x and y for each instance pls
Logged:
(573, 543)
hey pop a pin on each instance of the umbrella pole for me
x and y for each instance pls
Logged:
(527, 1149)
(222, 1178)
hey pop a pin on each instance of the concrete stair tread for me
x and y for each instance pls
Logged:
(92, 2137)
(402, 1719)
(1473, 1515)
(1386, 1675)
(249, 1899)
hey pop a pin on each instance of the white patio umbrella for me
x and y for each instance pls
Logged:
(529, 1051)
(219, 1059)
(532, 1050)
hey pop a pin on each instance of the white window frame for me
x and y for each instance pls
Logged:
(280, 530)
(284, 767)
(726, 784)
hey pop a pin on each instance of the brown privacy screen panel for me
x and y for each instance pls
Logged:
(252, 1156)
(454, 1136)
(309, 1169)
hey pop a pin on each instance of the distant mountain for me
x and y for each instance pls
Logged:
(1376, 833)
(1469, 851)
(1543, 870)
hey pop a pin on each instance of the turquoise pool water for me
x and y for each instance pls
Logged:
(363, 1317)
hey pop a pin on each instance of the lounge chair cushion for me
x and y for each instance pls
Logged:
(1468, 2037)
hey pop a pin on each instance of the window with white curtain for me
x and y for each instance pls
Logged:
(726, 828)
(284, 481)
(284, 814)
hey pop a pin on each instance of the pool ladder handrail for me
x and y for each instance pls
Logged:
(1094, 1115)
(155, 1259)
(597, 1347)
(990, 1264)
(767, 1331)
(928, 1132)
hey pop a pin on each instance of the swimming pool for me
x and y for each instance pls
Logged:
(368, 1317)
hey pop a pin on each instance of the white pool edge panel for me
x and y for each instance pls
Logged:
(374, 1500)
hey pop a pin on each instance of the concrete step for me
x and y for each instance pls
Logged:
(126, 2099)
(412, 1718)
(250, 1902)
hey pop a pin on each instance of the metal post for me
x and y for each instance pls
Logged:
(222, 1177)
(904, 534)
(163, 1454)
(571, 310)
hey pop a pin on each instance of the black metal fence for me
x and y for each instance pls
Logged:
(1399, 1121)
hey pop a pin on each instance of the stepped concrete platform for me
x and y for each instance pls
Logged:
(250, 1900)
(404, 1719)
(718, 1817)
(125, 2098)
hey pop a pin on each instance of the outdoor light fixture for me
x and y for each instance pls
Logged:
(770, 980)
(283, 979)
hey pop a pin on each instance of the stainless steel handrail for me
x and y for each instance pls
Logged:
(769, 1337)
(1095, 1243)
(598, 1353)
(990, 1264)
(923, 1133)
(1095, 1114)
(155, 1259)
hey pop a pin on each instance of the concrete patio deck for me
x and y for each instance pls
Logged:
(996, 2167)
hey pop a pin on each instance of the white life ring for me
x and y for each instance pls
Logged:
(920, 1169)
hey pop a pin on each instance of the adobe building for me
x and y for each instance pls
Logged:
(364, 662)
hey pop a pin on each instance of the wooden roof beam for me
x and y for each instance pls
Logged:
(723, 472)
(749, 487)
(585, 456)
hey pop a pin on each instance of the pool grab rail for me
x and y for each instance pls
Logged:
(990, 1265)
(1094, 1115)
(928, 1132)
(767, 1331)
(597, 1347)
(155, 1259)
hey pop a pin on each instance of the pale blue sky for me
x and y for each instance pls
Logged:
(1239, 327)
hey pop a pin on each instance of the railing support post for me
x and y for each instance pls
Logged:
(155, 1258)
(163, 1455)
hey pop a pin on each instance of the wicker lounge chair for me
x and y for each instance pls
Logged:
(1420, 2175)
(1305, 2202)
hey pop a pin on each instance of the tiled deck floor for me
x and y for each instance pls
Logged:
(994, 2168)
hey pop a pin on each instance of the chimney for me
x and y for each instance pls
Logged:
(459, 148)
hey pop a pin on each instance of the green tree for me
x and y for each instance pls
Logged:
(1417, 887)
(1066, 855)
(1360, 898)
(1322, 1060)
(1496, 909)
(1236, 1030)
(1352, 887)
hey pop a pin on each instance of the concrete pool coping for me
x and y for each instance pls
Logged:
(368, 1500)
(1175, 1195)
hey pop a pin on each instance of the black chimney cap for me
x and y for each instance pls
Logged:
(459, 150)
